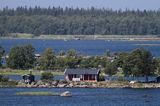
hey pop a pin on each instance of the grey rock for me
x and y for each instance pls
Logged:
(61, 85)
(55, 83)
(66, 94)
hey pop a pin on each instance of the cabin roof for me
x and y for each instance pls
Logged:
(27, 75)
(81, 71)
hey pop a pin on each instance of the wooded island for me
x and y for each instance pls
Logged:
(78, 21)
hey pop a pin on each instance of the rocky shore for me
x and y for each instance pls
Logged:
(104, 84)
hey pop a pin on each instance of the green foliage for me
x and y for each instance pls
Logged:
(94, 62)
(71, 62)
(47, 76)
(71, 53)
(101, 77)
(8, 84)
(2, 51)
(47, 60)
(21, 57)
(5, 82)
(61, 63)
(36, 93)
(111, 68)
(22, 72)
(157, 64)
(61, 53)
(3, 78)
(137, 63)
(85, 63)
(69, 21)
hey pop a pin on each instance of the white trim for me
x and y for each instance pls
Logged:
(65, 71)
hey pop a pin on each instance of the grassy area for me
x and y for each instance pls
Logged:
(62, 37)
(37, 93)
(8, 84)
(24, 35)
(22, 72)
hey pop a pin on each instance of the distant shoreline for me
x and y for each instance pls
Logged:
(90, 37)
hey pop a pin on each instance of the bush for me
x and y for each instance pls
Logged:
(47, 76)
(4, 82)
(3, 78)
(8, 84)
(101, 77)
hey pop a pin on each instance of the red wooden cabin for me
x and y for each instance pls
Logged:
(81, 74)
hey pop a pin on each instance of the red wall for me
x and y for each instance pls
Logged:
(86, 77)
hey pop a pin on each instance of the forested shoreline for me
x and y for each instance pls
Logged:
(78, 21)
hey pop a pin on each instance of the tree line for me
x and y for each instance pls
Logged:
(78, 21)
(138, 62)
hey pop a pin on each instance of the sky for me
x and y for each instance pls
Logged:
(111, 4)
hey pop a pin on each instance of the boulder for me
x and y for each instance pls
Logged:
(42, 86)
(55, 83)
(61, 85)
(94, 85)
(39, 82)
(66, 94)
(133, 82)
(70, 85)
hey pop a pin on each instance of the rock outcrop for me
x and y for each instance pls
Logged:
(66, 94)
(104, 84)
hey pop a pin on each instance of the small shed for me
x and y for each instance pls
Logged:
(81, 74)
(28, 78)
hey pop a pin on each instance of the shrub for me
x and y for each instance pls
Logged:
(8, 84)
(101, 77)
(3, 78)
(47, 76)
(4, 82)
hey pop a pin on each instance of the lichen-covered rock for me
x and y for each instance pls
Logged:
(94, 85)
(39, 82)
(42, 86)
(71, 85)
(54, 83)
(61, 85)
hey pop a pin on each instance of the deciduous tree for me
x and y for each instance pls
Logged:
(21, 57)
(47, 60)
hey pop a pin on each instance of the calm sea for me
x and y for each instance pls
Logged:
(82, 97)
(84, 47)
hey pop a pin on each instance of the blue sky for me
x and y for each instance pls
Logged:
(114, 4)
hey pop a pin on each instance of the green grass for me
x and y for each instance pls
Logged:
(24, 35)
(8, 84)
(56, 37)
(37, 93)
(22, 72)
